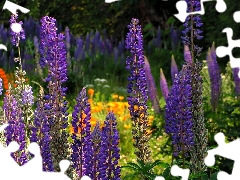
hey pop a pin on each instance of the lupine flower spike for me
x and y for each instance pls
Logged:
(174, 68)
(163, 85)
(137, 89)
(152, 91)
(215, 77)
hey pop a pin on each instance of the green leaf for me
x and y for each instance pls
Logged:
(214, 176)
(166, 172)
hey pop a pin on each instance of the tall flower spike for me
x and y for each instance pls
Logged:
(96, 140)
(15, 37)
(40, 132)
(52, 51)
(199, 150)
(178, 116)
(215, 77)
(174, 68)
(137, 89)
(15, 131)
(109, 153)
(152, 91)
(192, 25)
(163, 85)
(82, 151)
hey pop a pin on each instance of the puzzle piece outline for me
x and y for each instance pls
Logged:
(34, 165)
(182, 9)
(227, 150)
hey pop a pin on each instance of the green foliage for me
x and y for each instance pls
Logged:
(142, 170)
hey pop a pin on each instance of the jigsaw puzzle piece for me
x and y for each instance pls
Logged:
(177, 171)
(2, 127)
(222, 51)
(182, 9)
(35, 164)
(159, 178)
(85, 178)
(236, 16)
(11, 166)
(228, 150)
(221, 6)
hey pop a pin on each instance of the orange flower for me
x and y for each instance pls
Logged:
(91, 92)
(4, 78)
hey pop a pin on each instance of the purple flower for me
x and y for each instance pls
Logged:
(152, 91)
(52, 51)
(236, 80)
(163, 85)
(16, 129)
(192, 25)
(82, 147)
(27, 96)
(1, 88)
(174, 68)
(178, 115)
(137, 89)
(15, 37)
(79, 51)
(109, 153)
(187, 54)
(96, 140)
(40, 133)
(215, 76)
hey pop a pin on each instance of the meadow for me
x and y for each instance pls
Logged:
(116, 110)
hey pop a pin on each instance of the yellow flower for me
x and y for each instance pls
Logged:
(150, 118)
(120, 98)
(114, 96)
(127, 126)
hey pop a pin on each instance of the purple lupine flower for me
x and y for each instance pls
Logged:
(36, 45)
(4, 36)
(193, 29)
(79, 49)
(40, 132)
(174, 68)
(47, 35)
(96, 140)
(152, 90)
(137, 89)
(187, 54)
(15, 131)
(215, 76)
(236, 79)
(53, 55)
(82, 147)
(27, 96)
(15, 37)
(109, 46)
(1, 87)
(109, 153)
(178, 116)
(163, 85)
(68, 45)
(53, 50)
